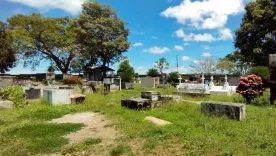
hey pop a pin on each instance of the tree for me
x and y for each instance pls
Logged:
(242, 66)
(126, 72)
(256, 37)
(261, 71)
(152, 72)
(44, 38)
(225, 66)
(173, 77)
(205, 65)
(7, 51)
(101, 34)
(161, 64)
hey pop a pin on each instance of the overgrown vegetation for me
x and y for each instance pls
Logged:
(191, 133)
(14, 94)
(73, 80)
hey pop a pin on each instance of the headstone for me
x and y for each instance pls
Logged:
(202, 79)
(226, 84)
(50, 77)
(211, 84)
(6, 81)
(232, 110)
(272, 66)
(87, 89)
(156, 121)
(151, 95)
(33, 93)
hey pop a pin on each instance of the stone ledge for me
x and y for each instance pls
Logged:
(156, 121)
(232, 110)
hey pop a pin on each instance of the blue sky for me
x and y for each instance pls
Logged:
(188, 29)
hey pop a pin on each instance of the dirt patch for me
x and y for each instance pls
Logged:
(96, 126)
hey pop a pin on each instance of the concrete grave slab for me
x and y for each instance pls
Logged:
(232, 110)
(156, 121)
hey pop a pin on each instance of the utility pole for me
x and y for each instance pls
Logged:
(177, 63)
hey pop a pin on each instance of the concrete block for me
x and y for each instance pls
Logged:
(6, 104)
(151, 95)
(156, 121)
(33, 93)
(165, 98)
(77, 98)
(57, 96)
(232, 110)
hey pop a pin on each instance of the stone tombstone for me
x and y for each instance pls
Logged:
(151, 95)
(6, 81)
(33, 93)
(272, 66)
(190, 88)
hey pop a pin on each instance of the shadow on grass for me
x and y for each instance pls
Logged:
(44, 138)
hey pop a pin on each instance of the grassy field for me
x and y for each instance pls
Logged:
(26, 132)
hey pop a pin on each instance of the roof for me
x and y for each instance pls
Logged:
(95, 68)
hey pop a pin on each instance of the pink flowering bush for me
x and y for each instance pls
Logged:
(250, 87)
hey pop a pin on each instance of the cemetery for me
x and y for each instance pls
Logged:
(94, 99)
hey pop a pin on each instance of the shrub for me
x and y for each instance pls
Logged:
(72, 80)
(173, 77)
(262, 71)
(14, 94)
(250, 87)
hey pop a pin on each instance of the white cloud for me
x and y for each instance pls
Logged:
(206, 14)
(72, 7)
(140, 70)
(157, 50)
(186, 44)
(186, 58)
(154, 37)
(195, 37)
(137, 44)
(225, 34)
(206, 54)
(182, 70)
(205, 47)
(178, 48)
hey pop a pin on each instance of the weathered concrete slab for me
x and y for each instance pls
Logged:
(136, 103)
(232, 110)
(6, 104)
(33, 93)
(77, 98)
(156, 121)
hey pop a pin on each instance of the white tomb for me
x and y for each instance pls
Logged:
(57, 97)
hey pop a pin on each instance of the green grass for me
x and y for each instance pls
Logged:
(195, 133)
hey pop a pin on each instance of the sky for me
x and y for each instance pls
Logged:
(183, 29)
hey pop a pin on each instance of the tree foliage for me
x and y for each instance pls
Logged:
(7, 51)
(101, 34)
(242, 65)
(225, 66)
(126, 72)
(161, 64)
(44, 38)
(173, 77)
(152, 72)
(261, 71)
(256, 37)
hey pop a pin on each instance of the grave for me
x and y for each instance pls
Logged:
(232, 110)
(77, 98)
(32, 92)
(151, 95)
(166, 98)
(57, 96)
(127, 85)
(156, 121)
(222, 90)
(136, 103)
(192, 89)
